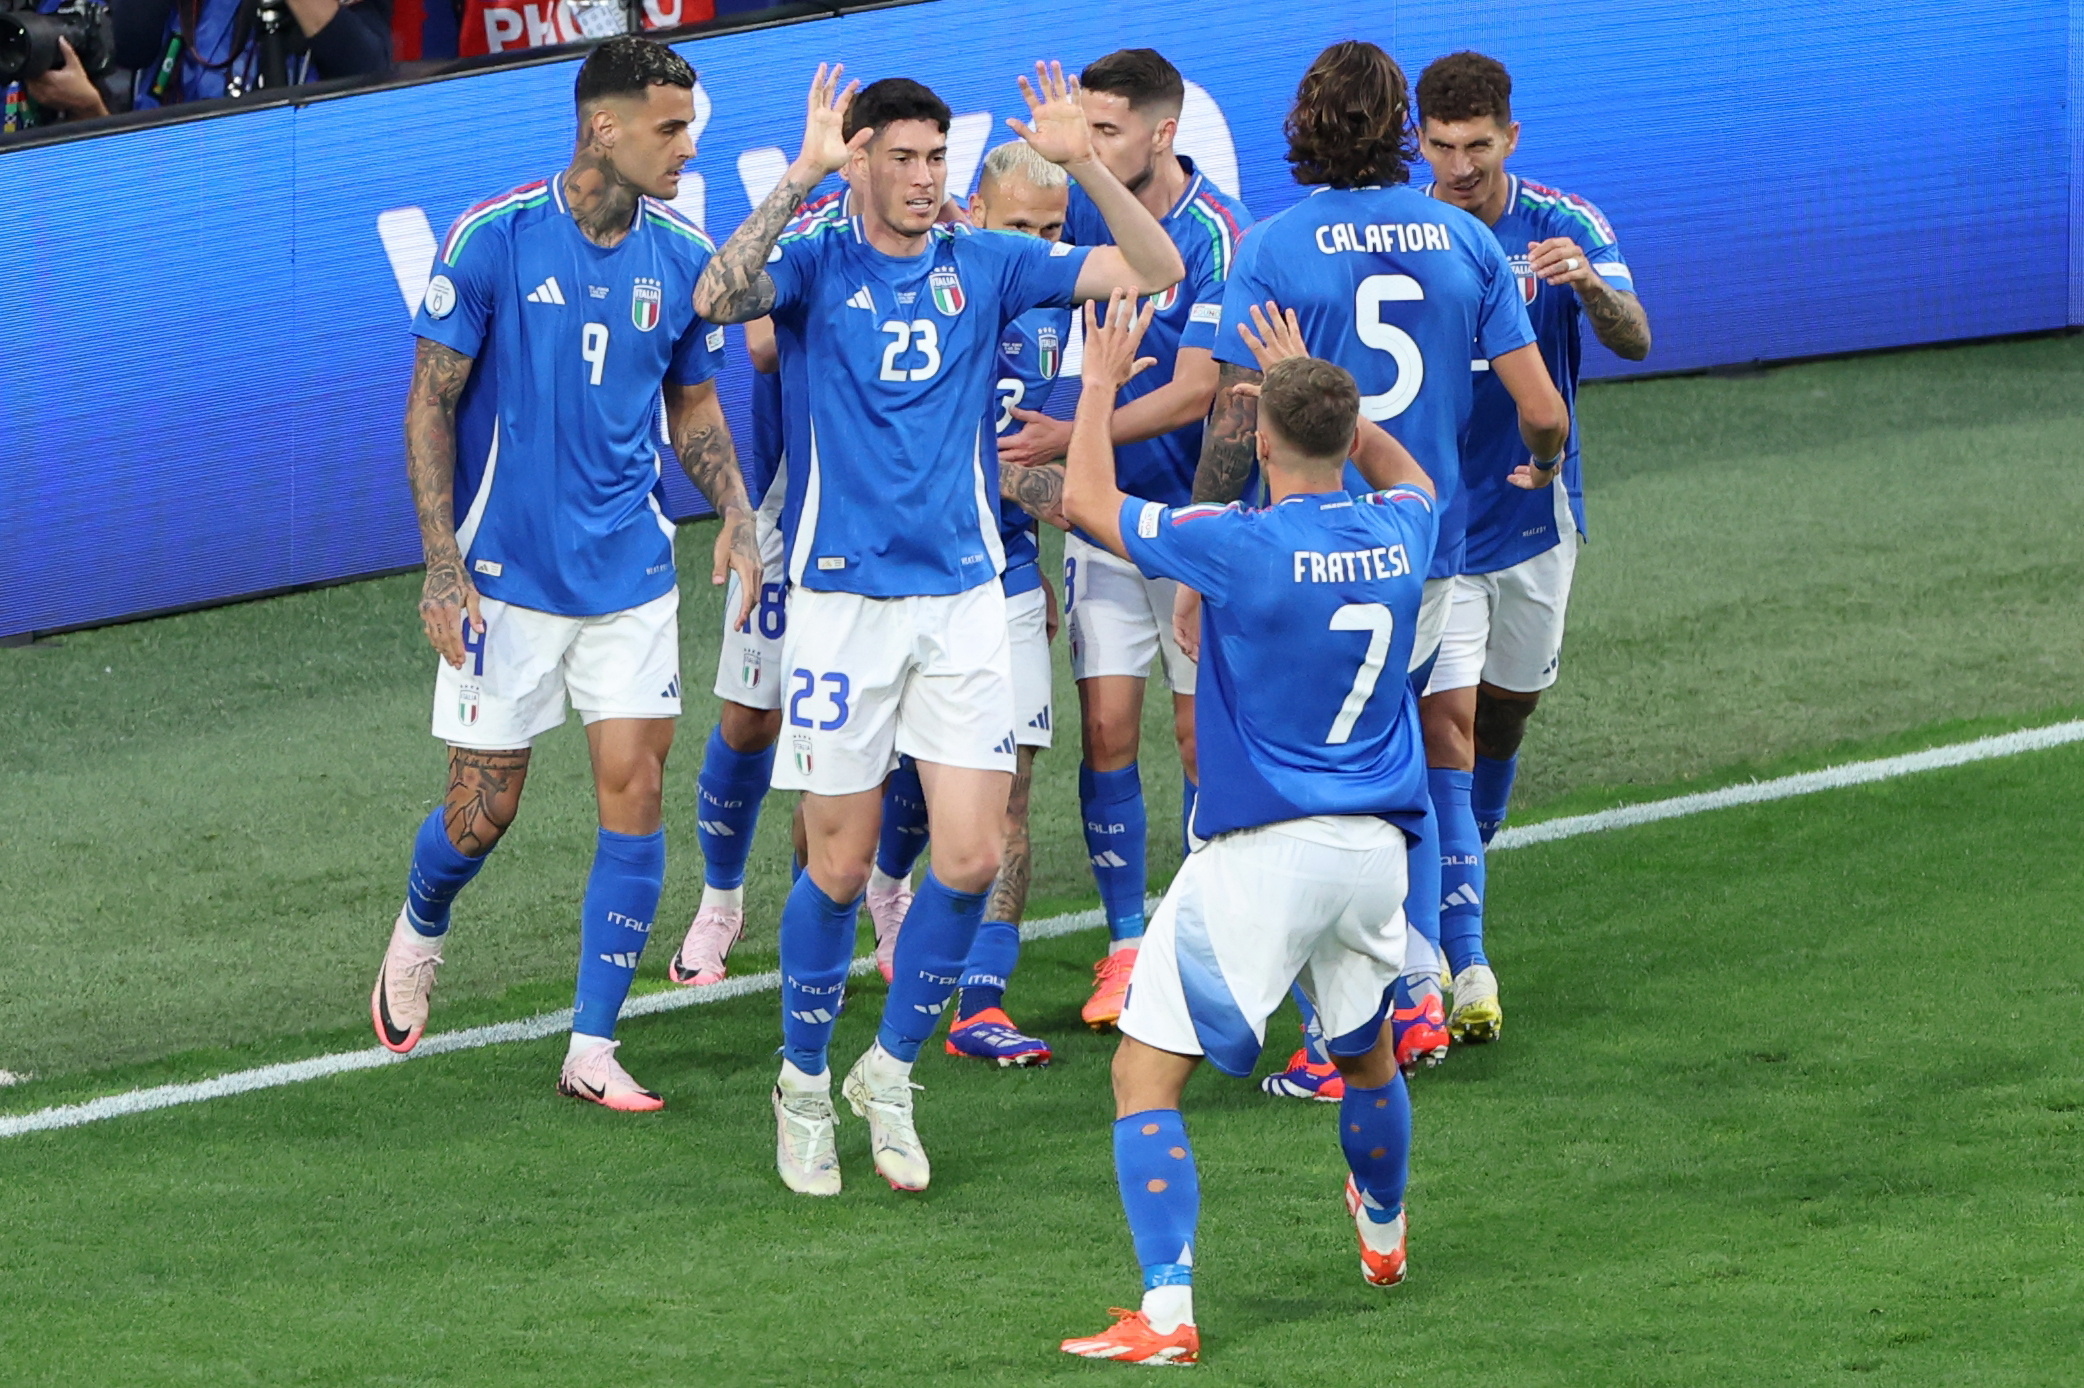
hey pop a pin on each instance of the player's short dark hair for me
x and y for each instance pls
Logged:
(1351, 122)
(894, 99)
(1312, 405)
(1140, 76)
(1465, 86)
(628, 66)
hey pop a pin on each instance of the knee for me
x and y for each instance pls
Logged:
(968, 867)
(483, 797)
(748, 730)
(1111, 743)
(840, 879)
(1448, 743)
(1501, 723)
(1184, 736)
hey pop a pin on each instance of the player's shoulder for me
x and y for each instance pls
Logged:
(676, 224)
(496, 215)
(1155, 518)
(1216, 222)
(1561, 213)
(1409, 497)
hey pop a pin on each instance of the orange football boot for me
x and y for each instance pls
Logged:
(1110, 989)
(1130, 1340)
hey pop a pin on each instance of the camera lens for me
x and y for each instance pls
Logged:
(28, 46)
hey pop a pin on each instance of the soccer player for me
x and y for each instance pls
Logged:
(1504, 638)
(556, 316)
(1398, 289)
(897, 632)
(1018, 191)
(1120, 620)
(1314, 771)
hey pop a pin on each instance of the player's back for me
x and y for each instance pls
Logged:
(557, 463)
(1300, 709)
(1402, 291)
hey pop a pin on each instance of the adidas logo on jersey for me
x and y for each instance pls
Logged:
(546, 293)
(620, 961)
(861, 298)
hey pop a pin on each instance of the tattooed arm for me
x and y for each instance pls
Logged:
(1230, 442)
(447, 595)
(1617, 315)
(702, 439)
(735, 286)
(1039, 490)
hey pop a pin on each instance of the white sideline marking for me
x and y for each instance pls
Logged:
(673, 999)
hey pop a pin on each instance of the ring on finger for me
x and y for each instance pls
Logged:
(1570, 264)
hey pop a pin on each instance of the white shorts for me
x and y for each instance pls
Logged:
(1119, 620)
(515, 679)
(748, 666)
(869, 679)
(1432, 619)
(1027, 626)
(1506, 628)
(1319, 901)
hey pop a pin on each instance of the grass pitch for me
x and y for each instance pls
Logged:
(1757, 1119)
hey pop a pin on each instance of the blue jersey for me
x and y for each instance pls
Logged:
(557, 464)
(1031, 353)
(1205, 224)
(1506, 523)
(887, 371)
(1309, 612)
(766, 452)
(1402, 291)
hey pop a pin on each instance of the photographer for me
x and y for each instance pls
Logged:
(192, 50)
(66, 91)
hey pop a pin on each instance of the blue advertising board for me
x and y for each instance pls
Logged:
(208, 320)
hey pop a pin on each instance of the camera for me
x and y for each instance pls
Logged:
(29, 41)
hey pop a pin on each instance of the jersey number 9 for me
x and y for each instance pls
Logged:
(593, 346)
(1368, 299)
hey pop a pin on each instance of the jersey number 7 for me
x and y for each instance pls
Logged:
(1381, 624)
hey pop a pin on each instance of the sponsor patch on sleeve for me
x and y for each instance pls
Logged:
(1147, 521)
(441, 297)
(716, 339)
(1060, 248)
(1206, 313)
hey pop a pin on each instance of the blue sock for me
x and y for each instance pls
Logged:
(621, 900)
(1490, 794)
(727, 808)
(1189, 792)
(1375, 1133)
(990, 968)
(1115, 829)
(439, 871)
(903, 837)
(1461, 869)
(1312, 1029)
(1422, 868)
(938, 934)
(1161, 1193)
(817, 944)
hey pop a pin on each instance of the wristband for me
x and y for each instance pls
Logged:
(1550, 466)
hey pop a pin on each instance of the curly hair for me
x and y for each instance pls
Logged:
(1351, 122)
(1465, 86)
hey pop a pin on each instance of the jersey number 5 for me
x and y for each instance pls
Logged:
(1380, 623)
(1368, 299)
(919, 336)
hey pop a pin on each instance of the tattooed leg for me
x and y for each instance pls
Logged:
(484, 794)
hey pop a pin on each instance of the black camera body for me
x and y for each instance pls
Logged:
(29, 40)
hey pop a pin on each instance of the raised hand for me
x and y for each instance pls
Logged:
(1110, 347)
(1279, 338)
(824, 147)
(1056, 124)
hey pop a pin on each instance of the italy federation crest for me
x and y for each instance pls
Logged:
(947, 290)
(1523, 271)
(1164, 301)
(644, 304)
(1049, 352)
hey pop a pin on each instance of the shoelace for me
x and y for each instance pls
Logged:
(420, 972)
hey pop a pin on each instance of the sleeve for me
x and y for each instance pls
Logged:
(1193, 544)
(1605, 250)
(1501, 319)
(1419, 519)
(698, 355)
(1243, 288)
(793, 266)
(1204, 289)
(456, 310)
(356, 41)
(1033, 273)
(1063, 395)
